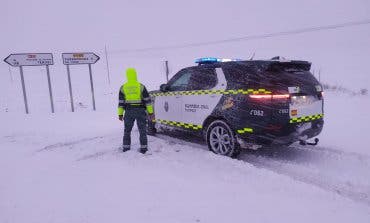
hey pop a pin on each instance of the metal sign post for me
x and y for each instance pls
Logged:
(32, 59)
(50, 90)
(70, 88)
(23, 89)
(78, 59)
(92, 87)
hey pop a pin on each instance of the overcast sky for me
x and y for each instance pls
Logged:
(72, 25)
(139, 23)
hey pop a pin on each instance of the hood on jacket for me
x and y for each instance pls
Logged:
(131, 75)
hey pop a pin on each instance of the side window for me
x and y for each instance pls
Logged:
(241, 75)
(181, 82)
(203, 79)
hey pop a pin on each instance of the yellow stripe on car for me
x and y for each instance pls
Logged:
(204, 92)
(179, 124)
(306, 118)
(245, 130)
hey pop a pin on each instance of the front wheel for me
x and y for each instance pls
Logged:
(221, 139)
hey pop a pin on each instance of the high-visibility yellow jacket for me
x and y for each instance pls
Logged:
(133, 94)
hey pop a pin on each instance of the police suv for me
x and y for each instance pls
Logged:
(238, 104)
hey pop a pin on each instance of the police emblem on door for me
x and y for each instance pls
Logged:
(166, 106)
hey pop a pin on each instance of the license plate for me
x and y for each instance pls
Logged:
(303, 100)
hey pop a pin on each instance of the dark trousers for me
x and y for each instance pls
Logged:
(138, 114)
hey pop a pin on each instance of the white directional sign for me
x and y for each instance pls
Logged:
(30, 59)
(79, 58)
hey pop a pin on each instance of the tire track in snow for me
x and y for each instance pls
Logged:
(66, 144)
(97, 151)
(329, 169)
(97, 155)
(75, 142)
(311, 172)
(109, 151)
(318, 166)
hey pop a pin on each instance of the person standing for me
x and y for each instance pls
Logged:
(134, 104)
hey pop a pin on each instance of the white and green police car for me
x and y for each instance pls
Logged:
(238, 104)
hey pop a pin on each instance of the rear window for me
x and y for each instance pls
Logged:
(289, 67)
(283, 79)
(238, 73)
(274, 77)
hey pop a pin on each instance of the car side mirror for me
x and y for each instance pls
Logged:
(164, 87)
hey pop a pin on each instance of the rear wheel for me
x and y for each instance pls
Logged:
(221, 139)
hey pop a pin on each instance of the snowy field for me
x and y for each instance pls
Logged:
(67, 167)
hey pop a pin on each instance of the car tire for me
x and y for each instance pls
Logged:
(151, 130)
(222, 140)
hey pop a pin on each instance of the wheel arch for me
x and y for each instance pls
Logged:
(209, 120)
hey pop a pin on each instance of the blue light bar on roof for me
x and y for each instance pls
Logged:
(207, 60)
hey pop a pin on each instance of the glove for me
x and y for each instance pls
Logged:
(151, 117)
(120, 117)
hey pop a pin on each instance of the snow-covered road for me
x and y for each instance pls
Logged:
(89, 179)
(330, 169)
(67, 167)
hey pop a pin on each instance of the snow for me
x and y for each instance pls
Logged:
(67, 167)
(346, 123)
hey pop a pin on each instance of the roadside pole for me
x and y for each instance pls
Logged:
(167, 70)
(106, 59)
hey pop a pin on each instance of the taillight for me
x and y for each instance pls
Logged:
(269, 96)
(260, 96)
(280, 96)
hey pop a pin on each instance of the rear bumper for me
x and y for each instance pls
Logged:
(288, 134)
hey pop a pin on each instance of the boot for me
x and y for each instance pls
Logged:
(125, 149)
(143, 150)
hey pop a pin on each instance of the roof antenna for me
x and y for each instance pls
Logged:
(254, 53)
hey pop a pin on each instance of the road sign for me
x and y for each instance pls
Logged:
(29, 59)
(79, 58)
(32, 59)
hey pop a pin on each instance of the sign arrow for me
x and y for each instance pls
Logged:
(29, 59)
(79, 58)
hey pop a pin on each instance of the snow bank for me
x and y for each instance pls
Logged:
(347, 122)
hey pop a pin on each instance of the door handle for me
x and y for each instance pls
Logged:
(178, 96)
